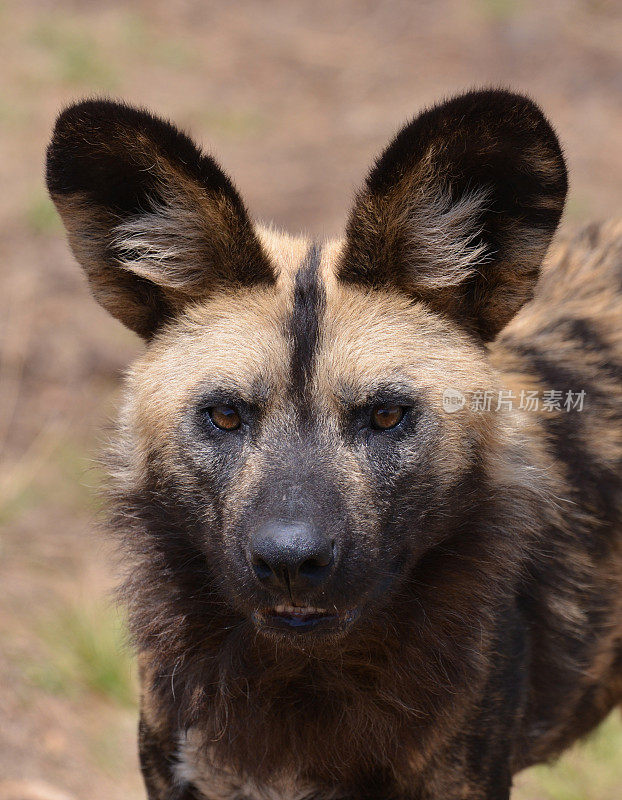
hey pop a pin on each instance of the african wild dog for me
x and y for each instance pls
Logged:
(337, 588)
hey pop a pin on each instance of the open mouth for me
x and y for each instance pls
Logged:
(304, 619)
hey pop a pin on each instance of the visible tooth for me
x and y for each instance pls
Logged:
(298, 610)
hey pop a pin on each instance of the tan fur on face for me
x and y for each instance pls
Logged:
(374, 338)
(231, 340)
(286, 253)
(367, 339)
(226, 343)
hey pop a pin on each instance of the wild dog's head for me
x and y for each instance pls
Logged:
(284, 442)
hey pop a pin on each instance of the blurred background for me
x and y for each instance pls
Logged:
(294, 99)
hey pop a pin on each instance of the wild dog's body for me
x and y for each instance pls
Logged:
(482, 550)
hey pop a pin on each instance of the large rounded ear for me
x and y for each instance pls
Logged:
(154, 222)
(460, 208)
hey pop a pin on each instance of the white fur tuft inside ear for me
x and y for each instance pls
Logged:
(164, 245)
(443, 233)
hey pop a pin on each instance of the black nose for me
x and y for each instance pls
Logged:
(291, 556)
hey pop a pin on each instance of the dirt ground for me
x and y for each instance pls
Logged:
(294, 98)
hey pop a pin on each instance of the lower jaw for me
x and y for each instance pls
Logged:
(304, 624)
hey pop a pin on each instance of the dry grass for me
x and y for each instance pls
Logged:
(86, 651)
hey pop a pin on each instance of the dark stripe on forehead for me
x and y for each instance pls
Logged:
(309, 301)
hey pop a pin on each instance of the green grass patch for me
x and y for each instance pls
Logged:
(18, 502)
(589, 770)
(105, 748)
(58, 473)
(578, 208)
(87, 652)
(165, 48)
(41, 215)
(75, 55)
(237, 124)
(75, 478)
(500, 10)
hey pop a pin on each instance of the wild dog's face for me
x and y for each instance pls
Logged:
(289, 406)
(303, 422)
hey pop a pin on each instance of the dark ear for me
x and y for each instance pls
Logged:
(460, 208)
(154, 223)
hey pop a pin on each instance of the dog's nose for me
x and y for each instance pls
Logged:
(291, 556)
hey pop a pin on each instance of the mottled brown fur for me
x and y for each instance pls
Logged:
(482, 547)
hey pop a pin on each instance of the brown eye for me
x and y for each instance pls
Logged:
(225, 418)
(383, 418)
